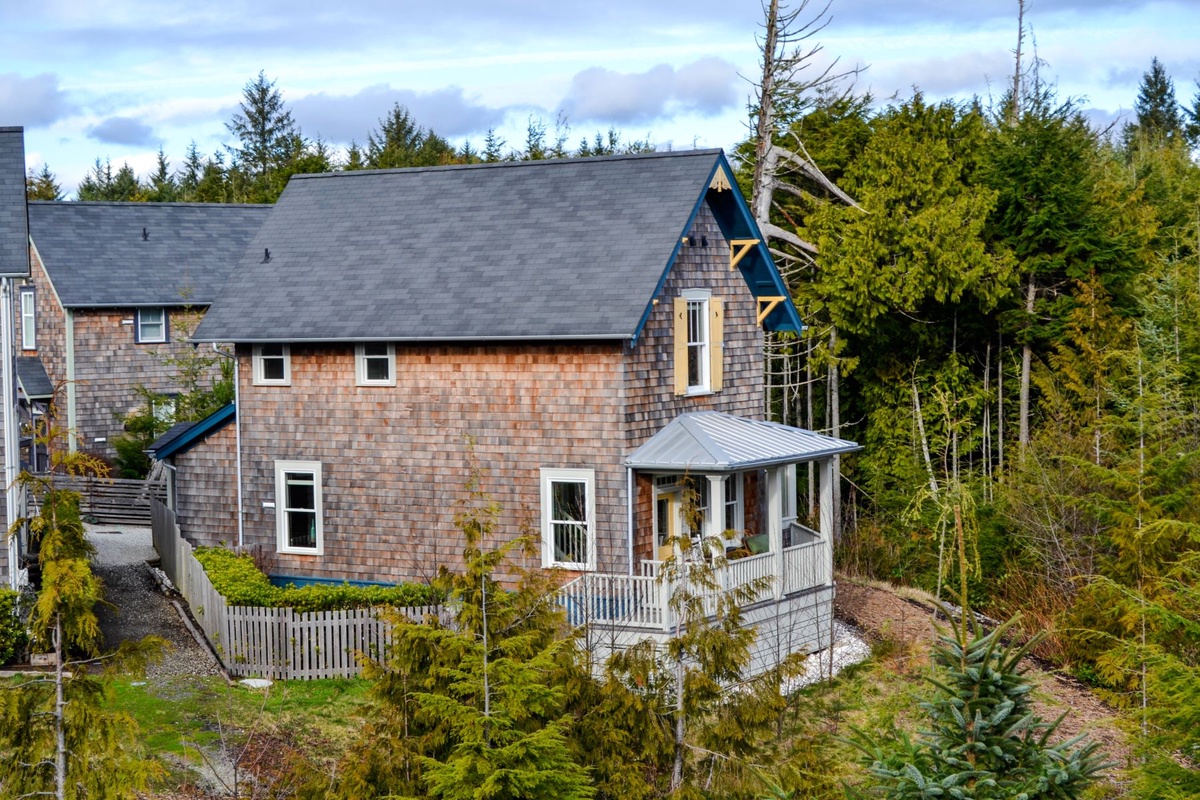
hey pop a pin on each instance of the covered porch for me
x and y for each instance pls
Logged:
(728, 485)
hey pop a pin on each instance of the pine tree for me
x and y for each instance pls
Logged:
(984, 741)
(42, 185)
(1157, 110)
(162, 187)
(189, 175)
(267, 135)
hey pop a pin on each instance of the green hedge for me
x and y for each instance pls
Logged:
(242, 584)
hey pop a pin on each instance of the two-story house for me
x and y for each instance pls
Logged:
(115, 290)
(588, 332)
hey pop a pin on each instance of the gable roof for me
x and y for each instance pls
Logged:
(32, 378)
(565, 249)
(96, 256)
(14, 225)
(710, 441)
(183, 436)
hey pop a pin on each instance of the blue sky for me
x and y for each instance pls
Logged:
(120, 78)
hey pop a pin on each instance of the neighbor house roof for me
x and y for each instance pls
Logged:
(140, 254)
(14, 230)
(565, 249)
(183, 436)
(31, 375)
(709, 441)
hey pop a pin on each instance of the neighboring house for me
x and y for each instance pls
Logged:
(116, 288)
(587, 333)
(14, 265)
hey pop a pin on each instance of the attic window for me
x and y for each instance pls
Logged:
(151, 326)
(375, 364)
(272, 365)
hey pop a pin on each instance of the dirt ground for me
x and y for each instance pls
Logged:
(883, 614)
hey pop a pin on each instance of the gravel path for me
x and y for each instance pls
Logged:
(140, 608)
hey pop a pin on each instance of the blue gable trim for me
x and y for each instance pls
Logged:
(757, 267)
(197, 433)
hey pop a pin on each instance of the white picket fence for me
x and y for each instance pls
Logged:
(278, 643)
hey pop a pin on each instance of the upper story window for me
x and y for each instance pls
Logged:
(568, 514)
(375, 364)
(28, 318)
(272, 365)
(699, 347)
(298, 513)
(151, 325)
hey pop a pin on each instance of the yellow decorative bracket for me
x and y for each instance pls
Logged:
(720, 181)
(766, 305)
(738, 249)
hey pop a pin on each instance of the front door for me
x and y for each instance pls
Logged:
(666, 523)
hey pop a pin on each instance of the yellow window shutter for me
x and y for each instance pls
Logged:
(716, 337)
(681, 373)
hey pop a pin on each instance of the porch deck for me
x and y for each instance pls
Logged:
(643, 601)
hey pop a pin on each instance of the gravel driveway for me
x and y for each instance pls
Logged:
(137, 607)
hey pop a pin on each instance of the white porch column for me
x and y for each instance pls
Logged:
(829, 479)
(775, 524)
(714, 526)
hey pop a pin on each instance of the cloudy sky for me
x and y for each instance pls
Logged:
(120, 78)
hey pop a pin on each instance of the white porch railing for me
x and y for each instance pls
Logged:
(640, 601)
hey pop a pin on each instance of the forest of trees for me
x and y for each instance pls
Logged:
(1003, 308)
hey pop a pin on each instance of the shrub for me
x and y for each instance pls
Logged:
(241, 583)
(13, 638)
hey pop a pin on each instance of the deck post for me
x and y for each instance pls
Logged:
(715, 524)
(828, 486)
(775, 525)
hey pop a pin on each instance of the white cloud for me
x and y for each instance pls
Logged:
(342, 118)
(709, 86)
(122, 130)
(33, 102)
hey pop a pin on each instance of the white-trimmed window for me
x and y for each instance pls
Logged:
(568, 518)
(28, 318)
(151, 327)
(298, 507)
(734, 508)
(375, 364)
(699, 347)
(272, 365)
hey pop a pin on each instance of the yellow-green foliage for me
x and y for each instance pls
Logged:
(241, 583)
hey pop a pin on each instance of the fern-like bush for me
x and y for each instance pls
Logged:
(241, 583)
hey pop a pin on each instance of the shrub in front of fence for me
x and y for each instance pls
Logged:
(235, 578)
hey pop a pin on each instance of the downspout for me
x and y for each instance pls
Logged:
(12, 456)
(237, 439)
(629, 486)
(72, 430)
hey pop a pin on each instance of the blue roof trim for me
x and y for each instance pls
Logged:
(662, 279)
(757, 267)
(197, 433)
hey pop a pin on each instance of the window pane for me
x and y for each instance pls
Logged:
(568, 521)
(697, 333)
(268, 350)
(301, 529)
(377, 369)
(375, 349)
(301, 492)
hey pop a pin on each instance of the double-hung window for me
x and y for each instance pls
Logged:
(298, 507)
(699, 349)
(568, 518)
(375, 364)
(272, 365)
(734, 515)
(28, 318)
(151, 325)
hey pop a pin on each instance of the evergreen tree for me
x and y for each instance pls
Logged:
(267, 137)
(162, 187)
(1157, 110)
(190, 174)
(102, 184)
(984, 741)
(354, 157)
(493, 147)
(473, 709)
(42, 185)
(400, 142)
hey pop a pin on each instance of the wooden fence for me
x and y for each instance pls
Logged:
(276, 643)
(113, 501)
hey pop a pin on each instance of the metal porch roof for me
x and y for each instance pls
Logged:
(709, 441)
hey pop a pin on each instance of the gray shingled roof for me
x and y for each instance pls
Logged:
(31, 374)
(523, 250)
(14, 229)
(95, 254)
(709, 441)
